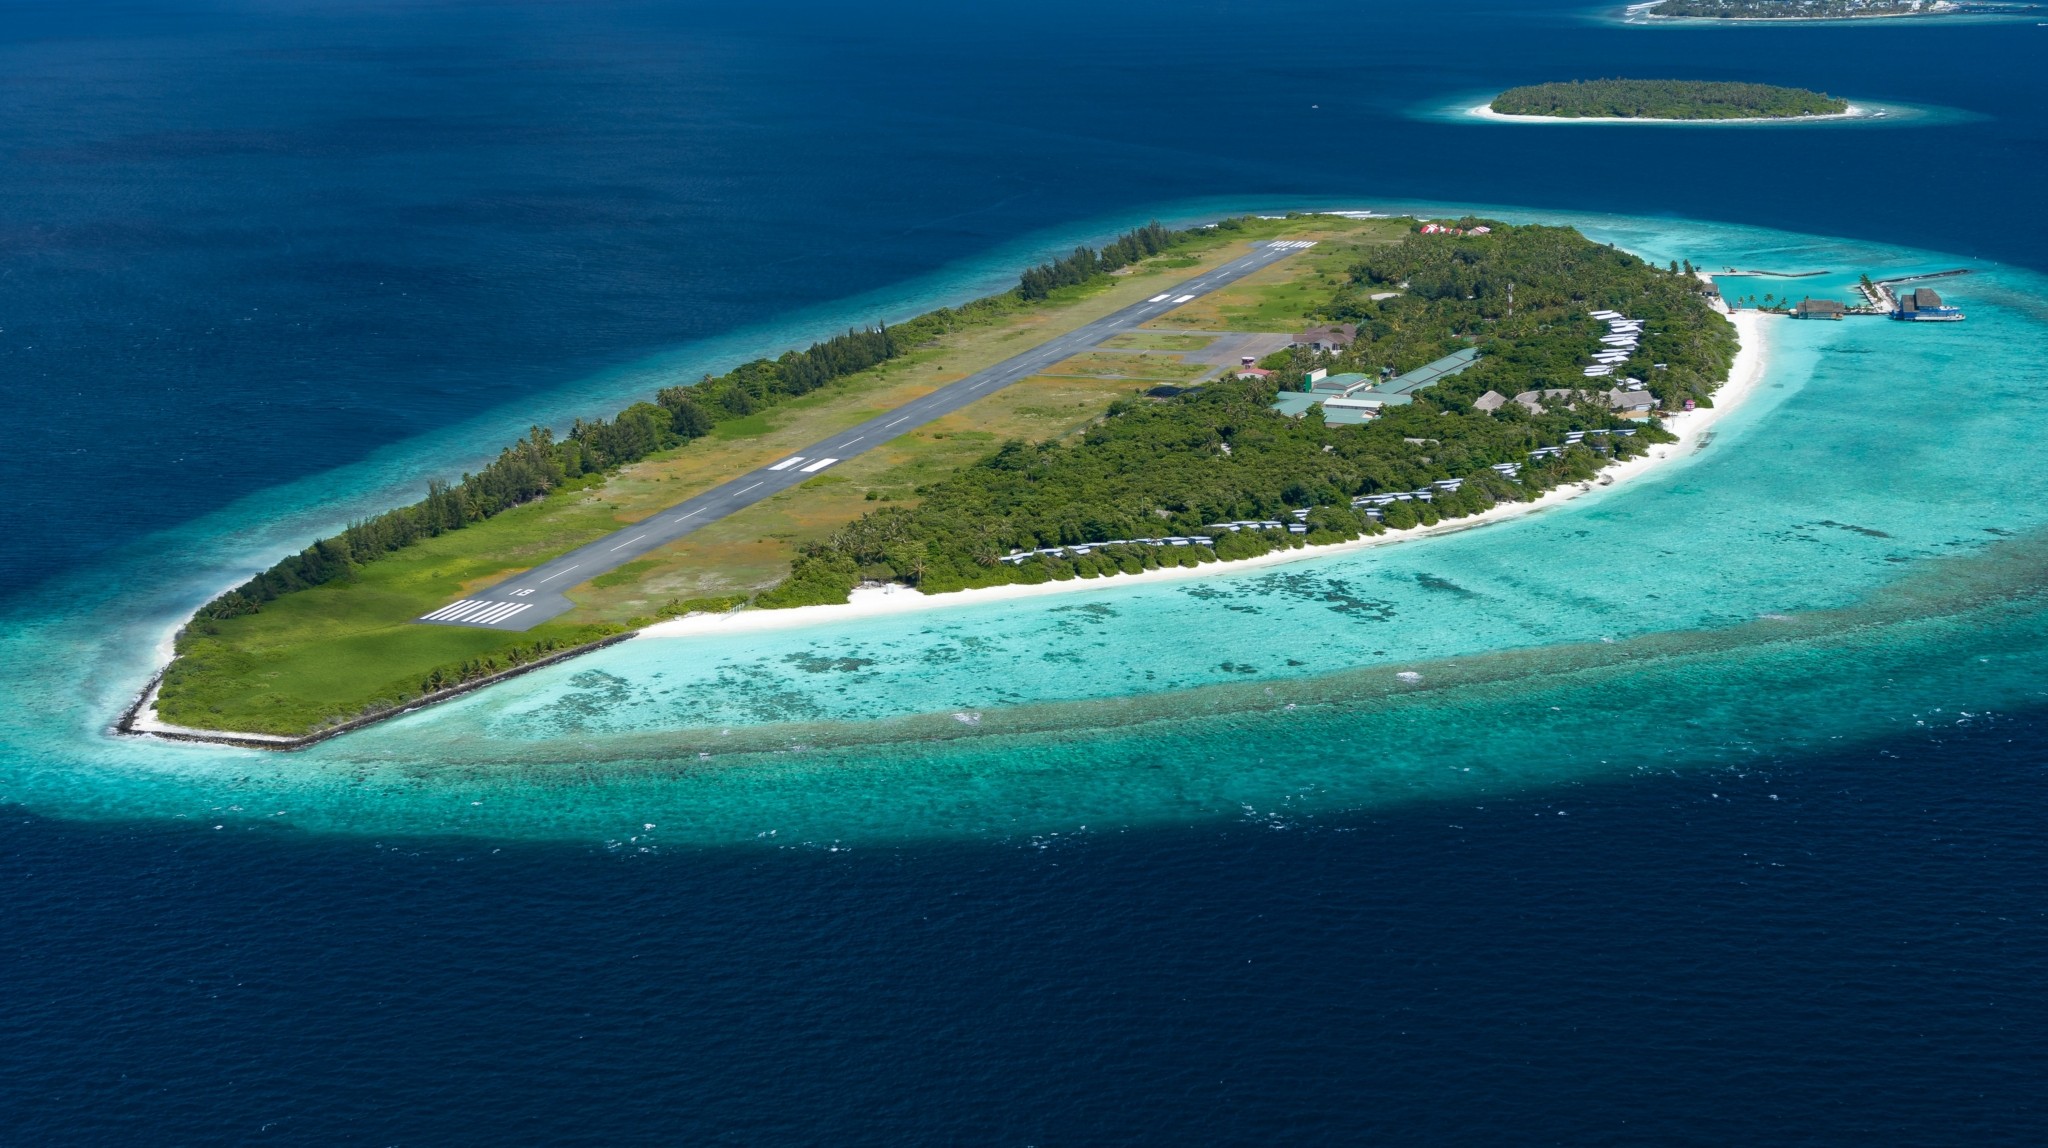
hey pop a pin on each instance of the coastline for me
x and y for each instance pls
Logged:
(1692, 427)
(1856, 112)
(1744, 376)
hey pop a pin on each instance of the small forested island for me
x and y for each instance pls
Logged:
(1665, 100)
(1125, 458)
(1822, 9)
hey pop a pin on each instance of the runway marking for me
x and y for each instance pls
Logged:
(786, 463)
(692, 514)
(737, 493)
(459, 610)
(1183, 298)
(629, 542)
(886, 426)
(555, 575)
(1160, 298)
(503, 611)
(819, 465)
(851, 441)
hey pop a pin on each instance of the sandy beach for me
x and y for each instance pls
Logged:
(1855, 112)
(882, 601)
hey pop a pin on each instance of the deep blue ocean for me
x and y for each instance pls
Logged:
(266, 266)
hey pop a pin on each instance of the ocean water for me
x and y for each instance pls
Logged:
(1709, 813)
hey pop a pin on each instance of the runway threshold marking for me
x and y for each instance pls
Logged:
(819, 465)
(786, 463)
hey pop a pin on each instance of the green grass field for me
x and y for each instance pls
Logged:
(313, 658)
(1143, 365)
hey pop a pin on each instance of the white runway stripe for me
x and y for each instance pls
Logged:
(1183, 298)
(498, 613)
(448, 609)
(1160, 298)
(786, 463)
(819, 465)
(474, 608)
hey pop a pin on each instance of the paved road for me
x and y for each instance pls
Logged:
(526, 600)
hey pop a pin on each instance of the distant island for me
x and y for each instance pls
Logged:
(1821, 9)
(1665, 100)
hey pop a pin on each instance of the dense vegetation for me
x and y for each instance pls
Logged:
(1522, 295)
(1823, 9)
(1217, 454)
(1220, 454)
(1665, 100)
(543, 461)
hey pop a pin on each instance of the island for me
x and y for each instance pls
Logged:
(1665, 100)
(1822, 9)
(1230, 392)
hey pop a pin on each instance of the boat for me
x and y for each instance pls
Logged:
(1925, 306)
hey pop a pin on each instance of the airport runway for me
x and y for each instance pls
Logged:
(526, 600)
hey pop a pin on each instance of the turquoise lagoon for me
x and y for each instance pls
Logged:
(1860, 549)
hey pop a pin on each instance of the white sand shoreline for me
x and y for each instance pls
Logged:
(876, 602)
(1855, 112)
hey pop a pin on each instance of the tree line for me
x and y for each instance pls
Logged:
(1086, 263)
